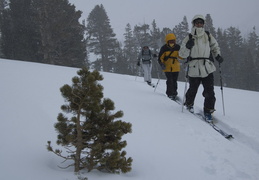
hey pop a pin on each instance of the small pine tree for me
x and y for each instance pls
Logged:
(91, 136)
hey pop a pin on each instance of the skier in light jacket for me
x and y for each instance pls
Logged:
(145, 61)
(199, 49)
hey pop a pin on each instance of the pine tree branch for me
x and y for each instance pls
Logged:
(58, 152)
(66, 166)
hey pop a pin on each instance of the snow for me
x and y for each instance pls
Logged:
(166, 143)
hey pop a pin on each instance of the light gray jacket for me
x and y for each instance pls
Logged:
(202, 66)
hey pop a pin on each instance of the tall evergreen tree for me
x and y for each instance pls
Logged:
(20, 39)
(209, 25)
(90, 134)
(181, 30)
(225, 52)
(142, 34)
(248, 75)
(155, 47)
(62, 36)
(3, 4)
(235, 43)
(5, 30)
(2, 7)
(253, 44)
(155, 37)
(121, 65)
(130, 49)
(250, 67)
(101, 39)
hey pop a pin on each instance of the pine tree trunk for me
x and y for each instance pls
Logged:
(45, 32)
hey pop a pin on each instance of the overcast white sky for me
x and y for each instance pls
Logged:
(168, 13)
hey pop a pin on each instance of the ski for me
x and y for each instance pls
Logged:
(177, 101)
(215, 127)
(152, 85)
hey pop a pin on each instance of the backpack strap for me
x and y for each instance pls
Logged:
(169, 54)
(200, 58)
(175, 48)
(190, 36)
(207, 32)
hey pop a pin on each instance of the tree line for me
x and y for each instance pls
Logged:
(50, 32)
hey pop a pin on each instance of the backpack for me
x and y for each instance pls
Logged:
(211, 56)
(146, 56)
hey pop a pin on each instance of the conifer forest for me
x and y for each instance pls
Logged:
(52, 32)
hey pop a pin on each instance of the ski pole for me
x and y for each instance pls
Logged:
(186, 77)
(186, 80)
(157, 84)
(221, 87)
(158, 75)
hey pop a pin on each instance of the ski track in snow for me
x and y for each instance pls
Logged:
(237, 135)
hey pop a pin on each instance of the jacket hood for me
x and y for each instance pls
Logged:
(170, 36)
(198, 16)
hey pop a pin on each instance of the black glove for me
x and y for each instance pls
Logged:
(190, 44)
(138, 64)
(162, 66)
(154, 55)
(219, 58)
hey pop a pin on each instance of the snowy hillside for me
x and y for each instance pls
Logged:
(166, 143)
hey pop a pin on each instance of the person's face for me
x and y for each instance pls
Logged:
(199, 23)
(171, 43)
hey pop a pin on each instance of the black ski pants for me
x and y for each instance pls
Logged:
(208, 92)
(171, 83)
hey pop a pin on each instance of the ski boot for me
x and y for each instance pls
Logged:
(189, 108)
(173, 97)
(208, 117)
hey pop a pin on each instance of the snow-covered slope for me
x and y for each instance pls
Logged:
(166, 143)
